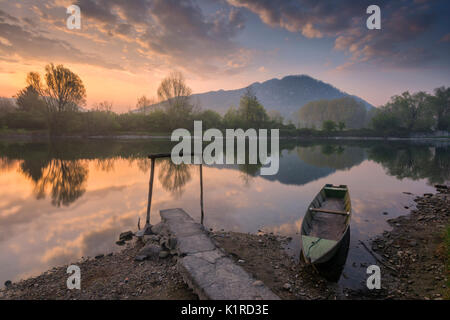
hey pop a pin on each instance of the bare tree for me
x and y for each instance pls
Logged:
(63, 92)
(176, 96)
(143, 104)
(104, 106)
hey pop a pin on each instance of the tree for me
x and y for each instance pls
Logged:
(384, 121)
(175, 95)
(104, 106)
(276, 117)
(143, 104)
(341, 125)
(351, 112)
(252, 112)
(329, 125)
(63, 93)
(440, 103)
(28, 100)
(6, 106)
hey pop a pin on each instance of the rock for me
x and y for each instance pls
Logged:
(125, 236)
(157, 228)
(120, 242)
(385, 213)
(286, 286)
(140, 258)
(99, 256)
(241, 261)
(8, 283)
(172, 243)
(164, 254)
(151, 238)
(258, 283)
(150, 250)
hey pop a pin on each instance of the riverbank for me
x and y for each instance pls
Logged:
(43, 135)
(415, 254)
(412, 256)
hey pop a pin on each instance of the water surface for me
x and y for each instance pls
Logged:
(63, 200)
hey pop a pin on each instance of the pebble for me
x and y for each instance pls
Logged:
(258, 283)
(164, 254)
(286, 286)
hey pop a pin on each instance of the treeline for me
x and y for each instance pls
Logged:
(333, 114)
(57, 106)
(417, 112)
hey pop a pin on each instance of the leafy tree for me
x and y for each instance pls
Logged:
(28, 100)
(63, 93)
(252, 112)
(329, 126)
(440, 104)
(341, 125)
(210, 119)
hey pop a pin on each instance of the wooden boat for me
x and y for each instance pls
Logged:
(325, 224)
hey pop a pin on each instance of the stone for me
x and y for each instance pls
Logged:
(151, 238)
(99, 256)
(258, 283)
(172, 243)
(120, 242)
(125, 236)
(286, 286)
(149, 251)
(204, 267)
(8, 283)
(164, 254)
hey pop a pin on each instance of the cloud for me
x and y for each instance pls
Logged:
(16, 40)
(176, 31)
(403, 22)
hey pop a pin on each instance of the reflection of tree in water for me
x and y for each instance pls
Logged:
(249, 172)
(106, 164)
(66, 178)
(173, 177)
(331, 156)
(414, 162)
(6, 164)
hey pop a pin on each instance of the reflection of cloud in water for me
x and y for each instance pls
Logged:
(36, 235)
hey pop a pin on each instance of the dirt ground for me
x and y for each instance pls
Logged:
(116, 276)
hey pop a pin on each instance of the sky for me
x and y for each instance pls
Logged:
(125, 48)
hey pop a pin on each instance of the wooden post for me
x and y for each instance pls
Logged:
(201, 193)
(150, 190)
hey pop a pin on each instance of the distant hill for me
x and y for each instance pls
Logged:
(286, 95)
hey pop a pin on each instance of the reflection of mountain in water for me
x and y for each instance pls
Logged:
(294, 170)
(306, 164)
(332, 156)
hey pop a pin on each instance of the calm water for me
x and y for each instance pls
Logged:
(65, 200)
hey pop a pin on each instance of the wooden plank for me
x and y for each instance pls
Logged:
(329, 211)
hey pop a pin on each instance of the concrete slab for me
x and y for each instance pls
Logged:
(206, 268)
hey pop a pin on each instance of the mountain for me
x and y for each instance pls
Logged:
(286, 95)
